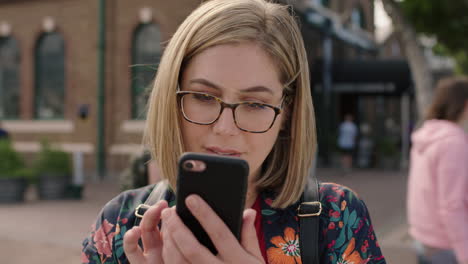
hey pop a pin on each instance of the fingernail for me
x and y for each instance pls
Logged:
(192, 202)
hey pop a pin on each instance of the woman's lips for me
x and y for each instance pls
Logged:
(223, 151)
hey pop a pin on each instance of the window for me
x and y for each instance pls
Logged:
(357, 18)
(9, 78)
(146, 53)
(50, 77)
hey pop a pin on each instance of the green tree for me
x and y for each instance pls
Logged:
(447, 21)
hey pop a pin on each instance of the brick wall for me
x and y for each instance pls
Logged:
(77, 21)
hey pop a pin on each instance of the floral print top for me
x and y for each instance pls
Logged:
(346, 233)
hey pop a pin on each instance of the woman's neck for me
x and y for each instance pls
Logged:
(252, 191)
(250, 197)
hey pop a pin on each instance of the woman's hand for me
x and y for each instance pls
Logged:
(181, 246)
(150, 235)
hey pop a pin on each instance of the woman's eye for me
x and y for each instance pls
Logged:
(256, 106)
(203, 97)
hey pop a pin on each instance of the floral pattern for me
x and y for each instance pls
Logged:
(346, 232)
(286, 249)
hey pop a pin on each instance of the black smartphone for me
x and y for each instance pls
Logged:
(220, 181)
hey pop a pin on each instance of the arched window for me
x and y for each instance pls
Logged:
(357, 18)
(9, 78)
(50, 77)
(146, 53)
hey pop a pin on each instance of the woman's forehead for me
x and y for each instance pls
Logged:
(246, 66)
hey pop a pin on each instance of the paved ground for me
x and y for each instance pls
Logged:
(51, 231)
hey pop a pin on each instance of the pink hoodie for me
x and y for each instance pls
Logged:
(438, 187)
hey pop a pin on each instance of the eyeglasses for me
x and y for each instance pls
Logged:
(205, 109)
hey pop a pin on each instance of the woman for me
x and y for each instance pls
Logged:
(236, 51)
(438, 178)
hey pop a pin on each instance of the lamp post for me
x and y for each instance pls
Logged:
(101, 164)
(325, 25)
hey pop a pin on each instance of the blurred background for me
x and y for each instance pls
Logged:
(75, 75)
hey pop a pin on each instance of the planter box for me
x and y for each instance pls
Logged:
(52, 187)
(12, 190)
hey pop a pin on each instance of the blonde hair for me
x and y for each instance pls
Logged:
(218, 22)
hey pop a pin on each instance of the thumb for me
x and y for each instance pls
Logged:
(249, 240)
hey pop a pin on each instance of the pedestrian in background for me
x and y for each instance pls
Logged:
(347, 134)
(438, 177)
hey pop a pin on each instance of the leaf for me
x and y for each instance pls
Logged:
(119, 251)
(350, 197)
(268, 212)
(334, 219)
(335, 207)
(364, 255)
(119, 242)
(352, 218)
(350, 233)
(346, 216)
(341, 239)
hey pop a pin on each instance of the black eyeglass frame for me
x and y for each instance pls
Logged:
(277, 109)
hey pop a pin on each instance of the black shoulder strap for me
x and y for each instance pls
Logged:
(309, 213)
(156, 194)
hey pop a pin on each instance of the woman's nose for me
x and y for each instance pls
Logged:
(226, 124)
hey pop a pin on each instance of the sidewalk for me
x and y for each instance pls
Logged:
(52, 231)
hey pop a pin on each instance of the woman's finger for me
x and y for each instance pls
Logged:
(185, 241)
(132, 249)
(221, 236)
(170, 251)
(249, 240)
(150, 235)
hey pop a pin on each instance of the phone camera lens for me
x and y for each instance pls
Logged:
(188, 165)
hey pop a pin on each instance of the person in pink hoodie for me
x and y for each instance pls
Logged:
(438, 177)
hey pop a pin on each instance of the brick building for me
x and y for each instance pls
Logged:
(50, 71)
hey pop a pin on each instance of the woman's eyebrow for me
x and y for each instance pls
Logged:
(205, 82)
(257, 88)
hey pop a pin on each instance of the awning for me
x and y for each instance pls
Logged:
(372, 71)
